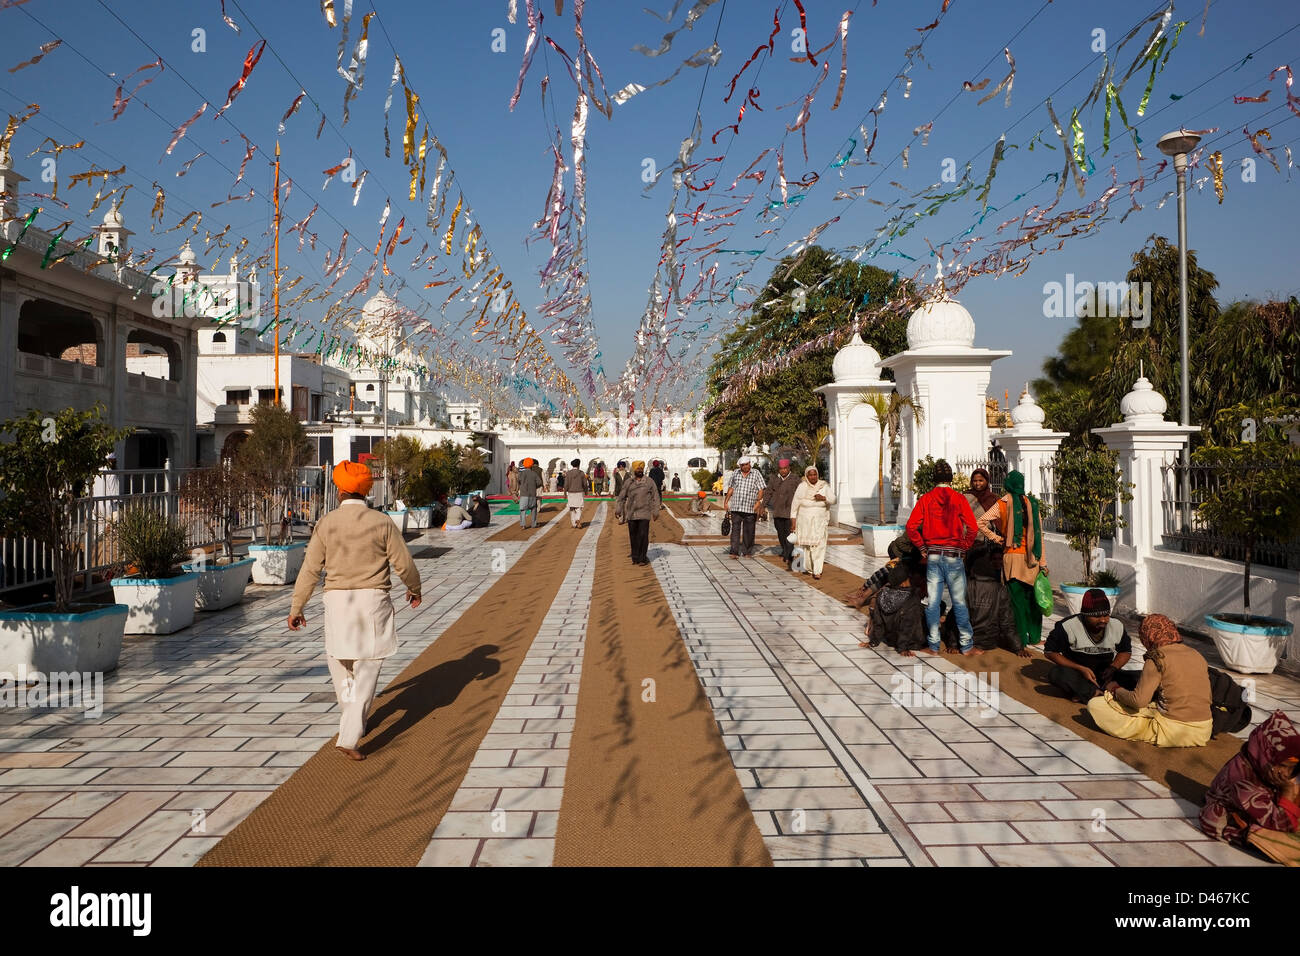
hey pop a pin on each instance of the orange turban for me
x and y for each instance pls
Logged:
(527, 463)
(353, 477)
(704, 494)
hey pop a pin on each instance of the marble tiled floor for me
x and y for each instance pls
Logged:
(198, 727)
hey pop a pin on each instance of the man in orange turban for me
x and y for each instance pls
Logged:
(358, 549)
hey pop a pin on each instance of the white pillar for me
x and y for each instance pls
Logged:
(1145, 442)
(1028, 445)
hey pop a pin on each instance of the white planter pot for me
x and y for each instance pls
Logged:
(277, 563)
(399, 518)
(1249, 648)
(221, 585)
(876, 538)
(1074, 596)
(39, 640)
(418, 518)
(157, 605)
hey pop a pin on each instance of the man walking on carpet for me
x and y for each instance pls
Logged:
(746, 484)
(777, 498)
(639, 504)
(575, 488)
(526, 491)
(358, 549)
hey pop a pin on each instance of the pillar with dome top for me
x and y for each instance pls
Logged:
(947, 377)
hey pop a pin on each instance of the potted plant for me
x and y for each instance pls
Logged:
(403, 457)
(1254, 496)
(46, 468)
(160, 598)
(1088, 484)
(888, 412)
(216, 494)
(268, 463)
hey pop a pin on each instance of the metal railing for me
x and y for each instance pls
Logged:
(25, 563)
(1189, 532)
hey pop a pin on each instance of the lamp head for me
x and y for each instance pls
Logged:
(1179, 141)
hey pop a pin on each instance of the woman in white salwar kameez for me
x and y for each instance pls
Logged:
(810, 519)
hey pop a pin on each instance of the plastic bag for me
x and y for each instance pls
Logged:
(1043, 593)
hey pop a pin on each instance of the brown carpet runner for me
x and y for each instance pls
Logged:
(424, 731)
(647, 783)
(548, 511)
(1187, 771)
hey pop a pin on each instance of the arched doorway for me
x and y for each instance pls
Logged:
(230, 447)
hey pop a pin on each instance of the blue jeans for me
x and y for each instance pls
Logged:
(526, 505)
(941, 568)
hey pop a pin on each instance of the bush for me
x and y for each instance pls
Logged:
(1103, 579)
(474, 480)
(703, 479)
(153, 542)
(1088, 484)
(50, 463)
(923, 479)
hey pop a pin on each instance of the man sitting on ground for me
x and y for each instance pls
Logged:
(458, 518)
(1088, 649)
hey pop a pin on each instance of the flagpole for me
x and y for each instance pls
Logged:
(275, 288)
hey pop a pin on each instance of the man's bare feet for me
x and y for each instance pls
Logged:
(931, 651)
(351, 754)
(1024, 652)
(973, 652)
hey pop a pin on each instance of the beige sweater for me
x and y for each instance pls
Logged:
(356, 548)
(1182, 691)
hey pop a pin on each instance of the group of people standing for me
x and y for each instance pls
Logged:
(800, 509)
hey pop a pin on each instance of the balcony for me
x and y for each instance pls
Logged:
(59, 369)
(156, 386)
(233, 415)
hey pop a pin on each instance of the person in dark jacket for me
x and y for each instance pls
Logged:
(480, 513)
(677, 482)
(777, 498)
(639, 504)
(657, 476)
(893, 600)
(991, 618)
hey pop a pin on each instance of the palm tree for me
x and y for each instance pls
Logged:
(812, 444)
(888, 412)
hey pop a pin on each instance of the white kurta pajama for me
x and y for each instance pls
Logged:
(812, 521)
(358, 549)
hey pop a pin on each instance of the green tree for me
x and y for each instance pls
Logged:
(819, 296)
(215, 494)
(1252, 353)
(47, 464)
(703, 479)
(1088, 485)
(1257, 491)
(404, 457)
(269, 459)
(889, 412)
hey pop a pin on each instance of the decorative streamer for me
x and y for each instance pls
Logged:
(293, 108)
(120, 103)
(45, 48)
(250, 60)
(355, 74)
(388, 103)
(1292, 101)
(1216, 169)
(229, 22)
(666, 43)
(530, 47)
(1007, 81)
(188, 163)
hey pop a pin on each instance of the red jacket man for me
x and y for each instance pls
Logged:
(942, 519)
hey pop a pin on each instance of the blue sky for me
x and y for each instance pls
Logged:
(502, 158)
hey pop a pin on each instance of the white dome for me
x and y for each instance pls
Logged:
(113, 218)
(942, 324)
(1027, 413)
(380, 308)
(1143, 403)
(187, 256)
(856, 362)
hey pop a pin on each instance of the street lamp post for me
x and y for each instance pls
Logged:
(1177, 145)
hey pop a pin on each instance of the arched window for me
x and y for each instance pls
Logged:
(218, 337)
(697, 463)
(370, 388)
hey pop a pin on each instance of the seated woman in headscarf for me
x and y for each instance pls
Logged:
(1255, 798)
(1171, 705)
(480, 513)
(895, 615)
(989, 605)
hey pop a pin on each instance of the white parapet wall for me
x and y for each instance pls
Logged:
(1186, 587)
